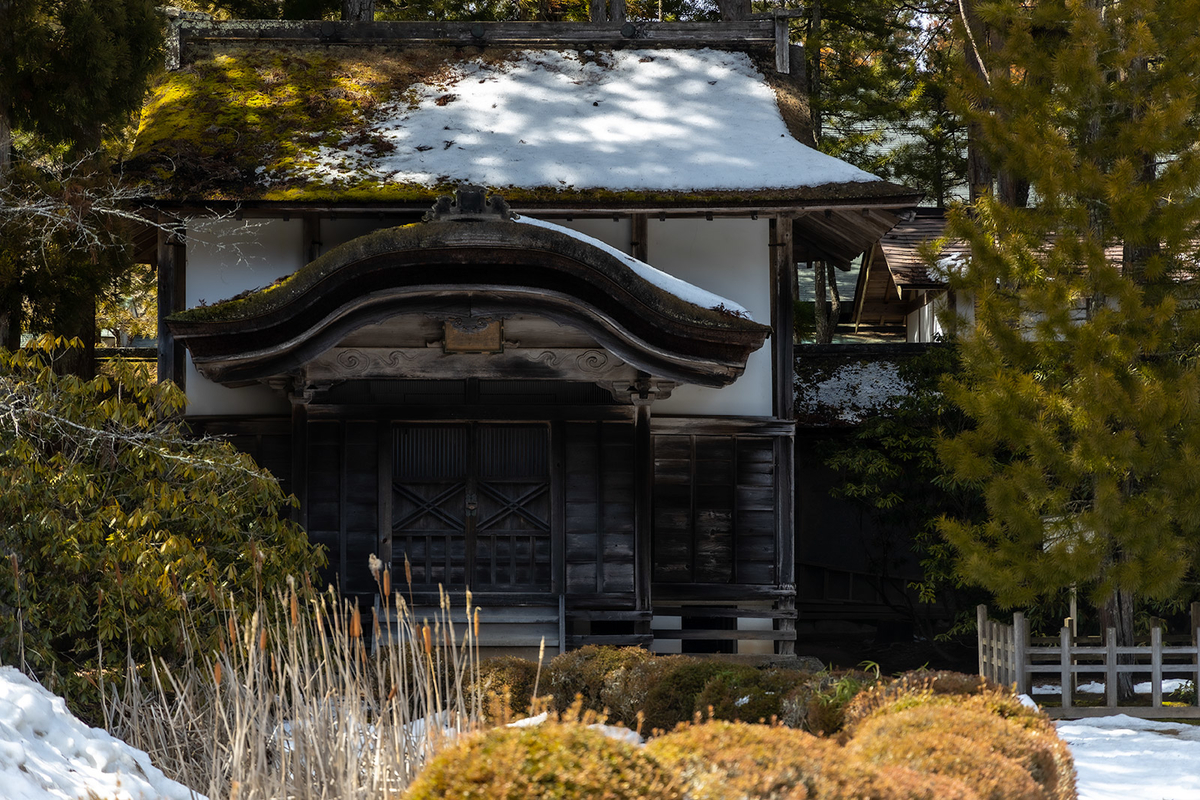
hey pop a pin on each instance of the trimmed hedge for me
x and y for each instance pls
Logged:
(563, 761)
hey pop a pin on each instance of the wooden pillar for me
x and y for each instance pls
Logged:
(639, 233)
(597, 11)
(783, 290)
(172, 293)
(312, 237)
(300, 400)
(383, 500)
(616, 10)
(643, 455)
(783, 43)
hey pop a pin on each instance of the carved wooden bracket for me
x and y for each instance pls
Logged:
(469, 204)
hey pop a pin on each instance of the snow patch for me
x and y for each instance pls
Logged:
(685, 291)
(852, 392)
(45, 752)
(1123, 758)
(629, 120)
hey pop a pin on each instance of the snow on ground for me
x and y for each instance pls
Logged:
(45, 752)
(669, 283)
(48, 754)
(1097, 687)
(1122, 758)
(672, 120)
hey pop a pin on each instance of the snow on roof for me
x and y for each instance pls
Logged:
(679, 120)
(45, 752)
(402, 124)
(685, 291)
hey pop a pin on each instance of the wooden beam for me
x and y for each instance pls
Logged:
(383, 500)
(172, 297)
(639, 234)
(892, 310)
(643, 456)
(783, 320)
(600, 30)
(782, 46)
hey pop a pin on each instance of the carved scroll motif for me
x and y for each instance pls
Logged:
(592, 362)
(360, 363)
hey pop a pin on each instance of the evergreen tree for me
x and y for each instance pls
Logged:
(70, 70)
(1081, 375)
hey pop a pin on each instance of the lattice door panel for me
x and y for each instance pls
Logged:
(471, 506)
(512, 517)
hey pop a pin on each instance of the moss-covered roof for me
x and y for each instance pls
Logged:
(395, 124)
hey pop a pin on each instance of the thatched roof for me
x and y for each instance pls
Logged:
(401, 121)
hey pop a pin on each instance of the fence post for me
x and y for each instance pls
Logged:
(1196, 653)
(1064, 660)
(981, 631)
(1156, 666)
(1020, 646)
(1110, 667)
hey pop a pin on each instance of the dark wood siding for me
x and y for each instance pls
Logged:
(714, 508)
(599, 497)
(342, 492)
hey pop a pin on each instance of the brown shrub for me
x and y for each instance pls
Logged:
(506, 686)
(724, 760)
(919, 686)
(564, 761)
(852, 779)
(1000, 758)
(586, 671)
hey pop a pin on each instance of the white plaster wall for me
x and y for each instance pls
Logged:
(614, 233)
(730, 257)
(223, 259)
(341, 230)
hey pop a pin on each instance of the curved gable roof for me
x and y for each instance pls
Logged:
(476, 266)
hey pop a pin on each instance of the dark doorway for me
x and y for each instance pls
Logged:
(471, 506)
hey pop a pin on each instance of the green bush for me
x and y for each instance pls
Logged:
(506, 686)
(671, 690)
(563, 761)
(117, 525)
(819, 704)
(747, 694)
(586, 671)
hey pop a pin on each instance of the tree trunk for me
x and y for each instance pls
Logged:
(6, 144)
(733, 10)
(979, 169)
(813, 48)
(77, 322)
(1118, 614)
(835, 302)
(358, 10)
(821, 310)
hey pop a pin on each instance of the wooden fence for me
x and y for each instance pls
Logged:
(1008, 655)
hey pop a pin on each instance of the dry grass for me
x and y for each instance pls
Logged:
(295, 706)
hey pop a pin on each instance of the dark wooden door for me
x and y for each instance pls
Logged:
(471, 506)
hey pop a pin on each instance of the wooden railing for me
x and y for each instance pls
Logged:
(1008, 655)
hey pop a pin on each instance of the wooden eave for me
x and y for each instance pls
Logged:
(477, 268)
